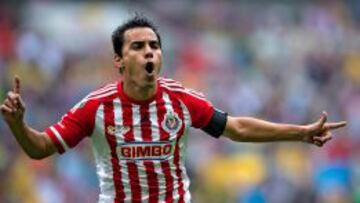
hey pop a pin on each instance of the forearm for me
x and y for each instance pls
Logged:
(246, 129)
(36, 144)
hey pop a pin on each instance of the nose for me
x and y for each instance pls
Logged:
(148, 52)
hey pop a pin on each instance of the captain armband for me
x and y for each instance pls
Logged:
(217, 123)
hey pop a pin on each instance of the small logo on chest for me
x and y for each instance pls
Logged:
(113, 130)
(171, 123)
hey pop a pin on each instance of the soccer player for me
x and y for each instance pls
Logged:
(138, 125)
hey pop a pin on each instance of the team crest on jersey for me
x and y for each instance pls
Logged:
(171, 122)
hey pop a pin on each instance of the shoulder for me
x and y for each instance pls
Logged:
(105, 92)
(98, 96)
(176, 88)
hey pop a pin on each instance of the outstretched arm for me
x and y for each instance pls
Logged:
(247, 129)
(36, 144)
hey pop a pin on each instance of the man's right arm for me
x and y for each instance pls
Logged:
(36, 144)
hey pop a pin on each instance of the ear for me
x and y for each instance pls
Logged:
(118, 62)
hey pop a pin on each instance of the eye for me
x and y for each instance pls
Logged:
(154, 45)
(137, 45)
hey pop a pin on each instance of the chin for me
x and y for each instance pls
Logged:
(149, 84)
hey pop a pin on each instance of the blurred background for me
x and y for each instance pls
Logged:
(277, 60)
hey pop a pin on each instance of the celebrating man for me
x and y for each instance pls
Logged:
(138, 124)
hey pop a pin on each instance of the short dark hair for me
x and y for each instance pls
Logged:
(134, 22)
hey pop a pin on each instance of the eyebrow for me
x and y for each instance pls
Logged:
(142, 41)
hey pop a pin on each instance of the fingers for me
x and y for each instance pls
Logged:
(320, 141)
(5, 109)
(10, 102)
(332, 126)
(323, 118)
(13, 107)
(323, 139)
(17, 84)
(319, 132)
(9, 106)
(317, 143)
(13, 104)
(15, 100)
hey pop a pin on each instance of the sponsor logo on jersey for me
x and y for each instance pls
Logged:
(145, 150)
(117, 130)
(171, 123)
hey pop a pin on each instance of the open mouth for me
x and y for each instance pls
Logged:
(149, 67)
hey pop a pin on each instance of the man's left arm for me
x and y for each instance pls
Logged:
(248, 129)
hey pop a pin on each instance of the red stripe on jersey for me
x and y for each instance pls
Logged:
(164, 136)
(177, 108)
(132, 167)
(134, 181)
(153, 183)
(165, 166)
(145, 123)
(109, 121)
(53, 137)
(127, 120)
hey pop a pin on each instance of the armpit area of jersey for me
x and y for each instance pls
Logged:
(217, 123)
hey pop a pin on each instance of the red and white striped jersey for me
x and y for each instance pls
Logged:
(139, 146)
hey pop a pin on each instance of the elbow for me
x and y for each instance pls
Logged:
(37, 155)
(237, 135)
(235, 130)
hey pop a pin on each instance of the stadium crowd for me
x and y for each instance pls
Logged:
(280, 61)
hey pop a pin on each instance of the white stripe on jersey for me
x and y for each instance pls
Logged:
(176, 84)
(61, 140)
(155, 132)
(139, 164)
(187, 117)
(103, 89)
(169, 81)
(169, 108)
(118, 116)
(107, 92)
(182, 90)
(101, 151)
(103, 95)
(155, 135)
(183, 145)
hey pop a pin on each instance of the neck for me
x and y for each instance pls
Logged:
(138, 93)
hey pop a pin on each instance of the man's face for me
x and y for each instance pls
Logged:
(141, 57)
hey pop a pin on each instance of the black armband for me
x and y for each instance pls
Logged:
(217, 123)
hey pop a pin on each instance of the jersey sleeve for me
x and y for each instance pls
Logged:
(200, 109)
(75, 125)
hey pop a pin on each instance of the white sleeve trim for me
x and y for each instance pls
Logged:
(58, 136)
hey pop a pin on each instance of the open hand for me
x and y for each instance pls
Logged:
(319, 133)
(13, 107)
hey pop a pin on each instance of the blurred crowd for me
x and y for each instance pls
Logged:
(278, 60)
